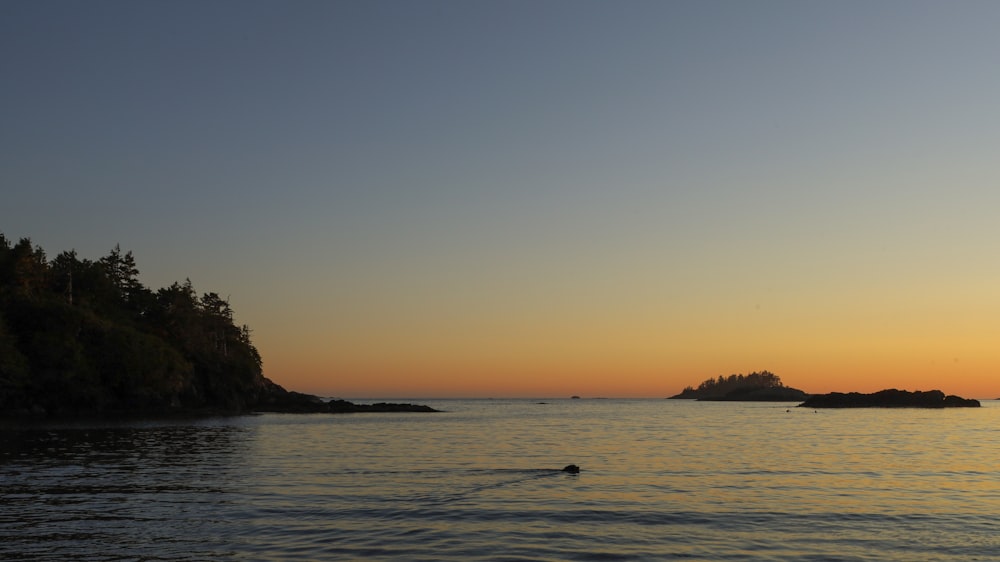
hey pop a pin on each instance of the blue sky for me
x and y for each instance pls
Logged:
(400, 176)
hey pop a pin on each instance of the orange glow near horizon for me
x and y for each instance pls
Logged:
(590, 376)
(644, 345)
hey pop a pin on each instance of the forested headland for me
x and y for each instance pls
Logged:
(81, 337)
(757, 386)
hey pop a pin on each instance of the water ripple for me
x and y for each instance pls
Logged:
(660, 481)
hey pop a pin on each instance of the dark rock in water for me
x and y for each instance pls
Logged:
(890, 398)
(571, 468)
(343, 407)
(277, 399)
(779, 394)
(750, 394)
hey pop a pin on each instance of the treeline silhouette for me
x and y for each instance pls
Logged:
(725, 385)
(81, 336)
(763, 385)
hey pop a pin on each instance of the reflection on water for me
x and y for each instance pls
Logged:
(660, 480)
(119, 491)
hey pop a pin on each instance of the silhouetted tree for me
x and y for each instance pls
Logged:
(723, 385)
(6, 263)
(122, 272)
(77, 335)
(30, 268)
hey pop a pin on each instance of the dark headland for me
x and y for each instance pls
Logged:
(86, 338)
(890, 398)
(755, 387)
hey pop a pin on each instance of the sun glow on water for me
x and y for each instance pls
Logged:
(658, 479)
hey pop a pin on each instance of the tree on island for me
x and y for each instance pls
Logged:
(762, 386)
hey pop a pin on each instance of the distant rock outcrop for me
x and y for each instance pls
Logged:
(344, 407)
(755, 387)
(782, 394)
(277, 399)
(890, 398)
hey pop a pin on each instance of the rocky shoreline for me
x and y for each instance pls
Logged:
(784, 394)
(889, 398)
(269, 398)
(276, 399)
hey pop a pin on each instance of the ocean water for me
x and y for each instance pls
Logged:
(660, 480)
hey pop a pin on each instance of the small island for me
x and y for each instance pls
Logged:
(761, 386)
(889, 398)
(86, 338)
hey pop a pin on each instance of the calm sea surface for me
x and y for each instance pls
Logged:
(660, 480)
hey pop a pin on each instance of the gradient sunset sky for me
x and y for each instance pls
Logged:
(544, 198)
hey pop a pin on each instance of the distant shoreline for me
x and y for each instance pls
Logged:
(890, 398)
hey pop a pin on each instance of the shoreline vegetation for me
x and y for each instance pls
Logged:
(86, 338)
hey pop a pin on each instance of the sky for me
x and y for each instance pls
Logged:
(532, 198)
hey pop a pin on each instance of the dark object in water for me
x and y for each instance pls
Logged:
(571, 468)
(890, 398)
